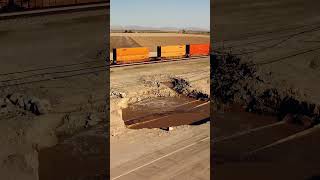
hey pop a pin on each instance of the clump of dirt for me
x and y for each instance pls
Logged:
(29, 103)
(237, 82)
(231, 79)
(182, 86)
(117, 94)
(74, 122)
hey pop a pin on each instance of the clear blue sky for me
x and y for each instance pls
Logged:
(161, 13)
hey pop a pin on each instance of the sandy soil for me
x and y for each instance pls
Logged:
(278, 40)
(279, 36)
(152, 40)
(128, 153)
(137, 83)
(132, 84)
(44, 100)
(122, 42)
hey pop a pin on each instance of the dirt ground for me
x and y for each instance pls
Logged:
(278, 40)
(137, 84)
(280, 37)
(152, 40)
(132, 84)
(45, 105)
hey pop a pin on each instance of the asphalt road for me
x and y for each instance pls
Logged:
(187, 159)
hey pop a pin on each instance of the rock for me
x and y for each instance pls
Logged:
(45, 106)
(27, 103)
(15, 97)
(34, 100)
(118, 94)
(167, 128)
(20, 102)
(39, 107)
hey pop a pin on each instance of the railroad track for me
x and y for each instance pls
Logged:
(36, 75)
(55, 10)
(155, 62)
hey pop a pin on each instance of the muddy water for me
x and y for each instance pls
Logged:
(166, 112)
(82, 157)
(246, 154)
(235, 119)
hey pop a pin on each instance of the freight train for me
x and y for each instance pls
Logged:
(142, 54)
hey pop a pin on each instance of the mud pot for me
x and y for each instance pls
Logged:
(164, 112)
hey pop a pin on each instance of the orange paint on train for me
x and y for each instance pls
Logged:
(172, 51)
(199, 49)
(129, 55)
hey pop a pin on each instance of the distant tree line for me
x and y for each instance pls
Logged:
(128, 31)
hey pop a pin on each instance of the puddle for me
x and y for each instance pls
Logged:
(166, 112)
(79, 157)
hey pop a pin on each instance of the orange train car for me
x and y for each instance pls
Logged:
(198, 49)
(130, 55)
(171, 51)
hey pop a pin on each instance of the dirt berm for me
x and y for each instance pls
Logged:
(236, 82)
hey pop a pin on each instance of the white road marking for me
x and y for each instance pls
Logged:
(247, 132)
(200, 105)
(294, 136)
(180, 149)
(164, 116)
(214, 140)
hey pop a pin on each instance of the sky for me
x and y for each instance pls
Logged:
(161, 13)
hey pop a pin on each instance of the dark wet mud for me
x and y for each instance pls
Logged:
(166, 112)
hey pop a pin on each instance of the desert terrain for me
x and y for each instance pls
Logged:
(152, 40)
(147, 99)
(53, 96)
(267, 55)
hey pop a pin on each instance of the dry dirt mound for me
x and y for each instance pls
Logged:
(149, 87)
(182, 86)
(236, 82)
